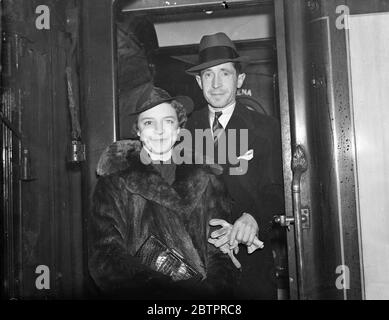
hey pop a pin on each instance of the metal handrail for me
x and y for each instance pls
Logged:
(299, 166)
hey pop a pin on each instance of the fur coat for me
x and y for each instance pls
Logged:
(130, 202)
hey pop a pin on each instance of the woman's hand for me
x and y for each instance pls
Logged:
(221, 238)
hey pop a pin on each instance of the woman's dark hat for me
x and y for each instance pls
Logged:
(216, 49)
(154, 96)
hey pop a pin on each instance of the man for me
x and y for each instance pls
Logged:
(257, 192)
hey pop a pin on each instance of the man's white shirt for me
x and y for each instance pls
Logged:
(224, 118)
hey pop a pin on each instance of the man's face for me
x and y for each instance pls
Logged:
(159, 128)
(219, 84)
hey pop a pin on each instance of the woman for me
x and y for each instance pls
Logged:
(145, 194)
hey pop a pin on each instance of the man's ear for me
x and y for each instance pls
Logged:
(199, 82)
(240, 81)
(138, 133)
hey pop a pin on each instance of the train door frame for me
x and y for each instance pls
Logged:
(294, 93)
(267, 44)
(100, 98)
(283, 86)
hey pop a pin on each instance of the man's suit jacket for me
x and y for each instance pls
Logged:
(259, 191)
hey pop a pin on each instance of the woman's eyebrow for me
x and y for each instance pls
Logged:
(146, 118)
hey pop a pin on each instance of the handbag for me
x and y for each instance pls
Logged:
(159, 257)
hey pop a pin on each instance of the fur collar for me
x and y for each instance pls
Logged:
(122, 158)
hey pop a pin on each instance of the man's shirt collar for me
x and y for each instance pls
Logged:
(225, 117)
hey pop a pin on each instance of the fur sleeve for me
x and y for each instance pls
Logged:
(221, 272)
(113, 268)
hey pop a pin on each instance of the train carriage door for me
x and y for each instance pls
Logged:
(364, 31)
(332, 83)
(318, 170)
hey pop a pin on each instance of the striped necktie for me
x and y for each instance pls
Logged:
(216, 126)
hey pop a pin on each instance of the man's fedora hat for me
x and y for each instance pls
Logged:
(216, 49)
(153, 96)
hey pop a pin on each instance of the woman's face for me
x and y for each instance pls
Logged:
(158, 128)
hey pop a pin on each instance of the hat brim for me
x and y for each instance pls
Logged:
(202, 66)
(184, 100)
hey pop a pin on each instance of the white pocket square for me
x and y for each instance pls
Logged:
(247, 156)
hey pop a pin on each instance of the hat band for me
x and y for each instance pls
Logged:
(214, 53)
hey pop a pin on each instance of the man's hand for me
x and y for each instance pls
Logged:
(244, 230)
